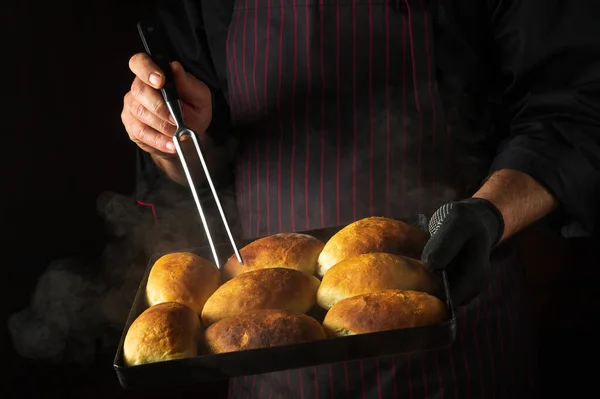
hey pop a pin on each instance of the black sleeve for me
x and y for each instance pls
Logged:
(549, 55)
(196, 31)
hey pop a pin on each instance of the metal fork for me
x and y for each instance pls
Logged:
(156, 49)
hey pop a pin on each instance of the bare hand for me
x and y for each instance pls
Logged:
(145, 115)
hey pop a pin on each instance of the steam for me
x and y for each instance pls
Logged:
(78, 304)
(65, 307)
(80, 307)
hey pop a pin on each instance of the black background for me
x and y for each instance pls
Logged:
(65, 74)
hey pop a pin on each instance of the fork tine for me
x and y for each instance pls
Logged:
(216, 197)
(190, 180)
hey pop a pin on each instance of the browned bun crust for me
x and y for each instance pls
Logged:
(372, 234)
(373, 272)
(384, 310)
(182, 277)
(162, 332)
(288, 250)
(276, 288)
(262, 329)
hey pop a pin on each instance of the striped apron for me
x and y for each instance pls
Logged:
(340, 117)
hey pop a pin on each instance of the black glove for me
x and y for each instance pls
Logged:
(462, 237)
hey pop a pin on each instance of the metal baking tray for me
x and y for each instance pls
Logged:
(206, 368)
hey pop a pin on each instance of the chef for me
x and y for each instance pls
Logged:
(482, 114)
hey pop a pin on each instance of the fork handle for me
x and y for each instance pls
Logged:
(156, 47)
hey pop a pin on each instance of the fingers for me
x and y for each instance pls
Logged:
(142, 114)
(146, 70)
(148, 79)
(149, 76)
(145, 115)
(145, 129)
(150, 98)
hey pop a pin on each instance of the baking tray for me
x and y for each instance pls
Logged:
(207, 368)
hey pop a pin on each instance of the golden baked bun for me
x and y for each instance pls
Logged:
(277, 288)
(182, 277)
(384, 310)
(288, 250)
(372, 234)
(367, 273)
(262, 329)
(162, 332)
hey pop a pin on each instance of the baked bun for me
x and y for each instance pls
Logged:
(162, 332)
(182, 277)
(288, 250)
(384, 310)
(262, 329)
(368, 273)
(372, 234)
(276, 288)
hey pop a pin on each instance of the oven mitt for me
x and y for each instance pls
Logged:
(463, 234)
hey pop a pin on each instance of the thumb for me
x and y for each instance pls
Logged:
(445, 244)
(191, 90)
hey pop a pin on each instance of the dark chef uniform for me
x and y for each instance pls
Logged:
(351, 108)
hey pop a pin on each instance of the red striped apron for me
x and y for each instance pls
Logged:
(337, 107)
